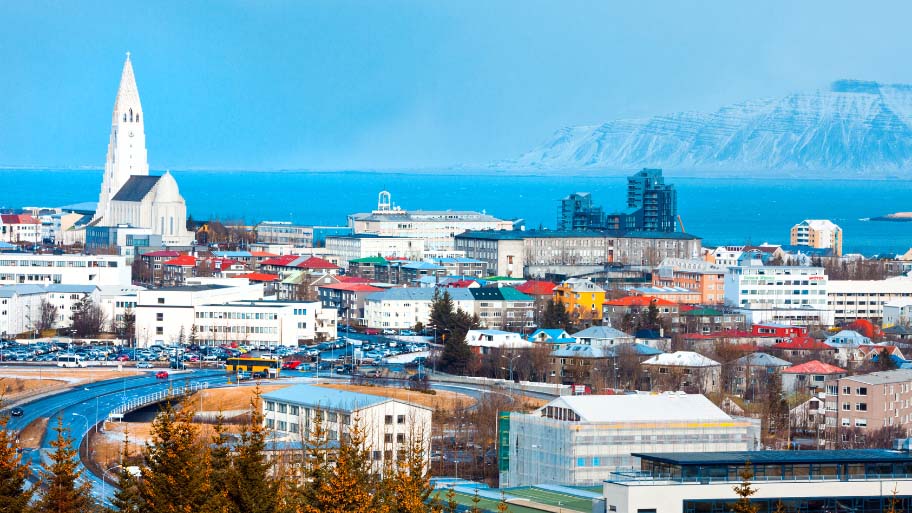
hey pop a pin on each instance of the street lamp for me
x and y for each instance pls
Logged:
(512, 359)
(96, 411)
(103, 474)
(88, 441)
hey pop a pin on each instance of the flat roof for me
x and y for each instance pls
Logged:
(777, 457)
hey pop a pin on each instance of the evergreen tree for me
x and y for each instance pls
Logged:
(349, 484)
(63, 494)
(14, 498)
(126, 496)
(502, 506)
(442, 311)
(220, 471)
(174, 478)
(456, 354)
(316, 467)
(475, 500)
(451, 505)
(556, 316)
(409, 484)
(744, 491)
(254, 490)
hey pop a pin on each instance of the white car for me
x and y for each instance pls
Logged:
(143, 365)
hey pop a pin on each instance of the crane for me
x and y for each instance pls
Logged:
(680, 222)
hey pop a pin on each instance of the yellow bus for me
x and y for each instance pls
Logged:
(258, 367)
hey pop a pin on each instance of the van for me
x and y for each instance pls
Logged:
(70, 361)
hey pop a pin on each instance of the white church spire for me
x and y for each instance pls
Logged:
(127, 144)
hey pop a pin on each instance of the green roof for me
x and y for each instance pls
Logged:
(702, 312)
(511, 294)
(503, 278)
(377, 260)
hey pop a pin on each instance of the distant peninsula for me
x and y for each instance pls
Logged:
(902, 217)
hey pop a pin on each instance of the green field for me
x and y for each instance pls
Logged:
(564, 501)
(489, 505)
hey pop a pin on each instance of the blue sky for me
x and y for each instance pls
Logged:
(406, 84)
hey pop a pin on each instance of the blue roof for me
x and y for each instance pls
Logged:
(552, 333)
(327, 397)
(458, 260)
(232, 254)
(587, 351)
(71, 289)
(7, 245)
(21, 290)
(421, 265)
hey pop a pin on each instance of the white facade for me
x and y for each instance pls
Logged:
(727, 256)
(782, 294)
(864, 299)
(580, 440)
(126, 145)
(389, 424)
(269, 323)
(897, 312)
(351, 247)
(20, 308)
(19, 228)
(489, 339)
(97, 270)
(402, 308)
(436, 227)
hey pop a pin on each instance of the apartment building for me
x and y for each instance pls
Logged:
(869, 402)
(23, 268)
(263, 323)
(390, 425)
(865, 299)
(706, 278)
(363, 245)
(503, 252)
(581, 298)
(347, 299)
(817, 233)
(897, 312)
(285, 232)
(20, 228)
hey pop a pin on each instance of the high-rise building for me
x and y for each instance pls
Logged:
(817, 233)
(652, 202)
(578, 213)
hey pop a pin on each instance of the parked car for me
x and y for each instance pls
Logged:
(161, 374)
(389, 332)
(16, 412)
(371, 331)
(143, 365)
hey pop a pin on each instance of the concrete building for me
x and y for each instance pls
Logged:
(817, 233)
(602, 336)
(363, 245)
(779, 294)
(581, 298)
(284, 232)
(864, 299)
(436, 227)
(21, 268)
(503, 252)
(859, 480)
(868, 402)
(20, 309)
(706, 278)
(682, 370)
(264, 323)
(577, 213)
(20, 229)
(809, 377)
(897, 312)
(128, 241)
(347, 299)
(390, 425)
(129, 195)
(483, 341)
(580, 440)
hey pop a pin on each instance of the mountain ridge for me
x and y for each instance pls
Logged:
(854, 127)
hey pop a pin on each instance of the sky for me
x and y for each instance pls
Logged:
(420, 84)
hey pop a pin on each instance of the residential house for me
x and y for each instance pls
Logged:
(682, 370)
(679, 295)
(868, 402)
(616, 309)
(555, 338)
(581, 298)
(484, 341)
(347, 299)
(751, 373)
(602, 336)
(20, 229)
(707, 320)
(287, 264)
(599, 367)
(809, 377)
(542, 293)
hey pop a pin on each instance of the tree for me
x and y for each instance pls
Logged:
(744, 491)
(457, 356)
(451, 505)
(316, 467)
(47, 315)
(14, 497)
(62, 494)
(409, 486)
(126, 328)
(555, 316)
(885, 361)
(220, 471)
(88, 318)
(348, 485)
(127, 498)
(253, 490)
(174, 478)
(442, 311)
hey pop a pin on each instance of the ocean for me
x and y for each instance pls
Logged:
(721, 210)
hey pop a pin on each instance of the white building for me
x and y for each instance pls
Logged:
(683, 369)
(779, 294)
(390, 424)
(20, 308)
(402, 308)
(727, 256)
(129, 195)
(436, 227)
(351, 247)
(264, 323)
(164, 315)
(580, 440)
(484, 340)
(897, 312)
(100, 270)
(602, 336)
(859, 480)
(865, 299)
(19, 228)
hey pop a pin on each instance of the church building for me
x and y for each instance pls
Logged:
(130, 196)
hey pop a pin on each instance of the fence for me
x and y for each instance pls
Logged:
(157, 397)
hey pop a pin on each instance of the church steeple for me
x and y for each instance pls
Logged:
(127, 144)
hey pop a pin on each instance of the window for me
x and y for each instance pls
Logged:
(161, 300)
(270, 406)
(400, 419)
(388, 420)
(581, 462)
(846, 406)
(861, 390)
(400, 438)
(861, 407)
(270, 423)
(861, 422)
(846, 391)
(159, 330)
(159, 316)
(388, 438)
(294, 410)
(283, 408)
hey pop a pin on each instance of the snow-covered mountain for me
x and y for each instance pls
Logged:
(856, 128)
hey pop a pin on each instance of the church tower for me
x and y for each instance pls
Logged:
(127, 144)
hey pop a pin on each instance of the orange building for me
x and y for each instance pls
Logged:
(582, 298)
(704, 278)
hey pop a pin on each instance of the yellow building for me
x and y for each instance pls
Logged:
(582, 298)
(817, 233)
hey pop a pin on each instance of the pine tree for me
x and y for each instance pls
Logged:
(349, 484)
(475, 500)
(126, 496)
(457, 355)
(254, 491)
(62, 494)
(174, 478)
(442, 311)
(220, 474)
(409, 484)
(502, 506)
(451, 505)
(316, 466)
(744, 491)
(14, 498)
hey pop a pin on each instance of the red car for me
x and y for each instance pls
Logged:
(291, 365)
(371, 331)
(161, 374)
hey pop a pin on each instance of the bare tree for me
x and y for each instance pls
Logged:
(47, 315)
(88, 318)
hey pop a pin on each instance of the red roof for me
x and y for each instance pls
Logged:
(803, 344)
(639, 301)
(461, 284)
(345, 278)
(536, 288)
(354, 287)
(317, 263)
(814, 367)
(721, 334)
(162, 253)
(18, 219)
(257, 276)
(280, 260)
(183, 261)
(296, 261)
